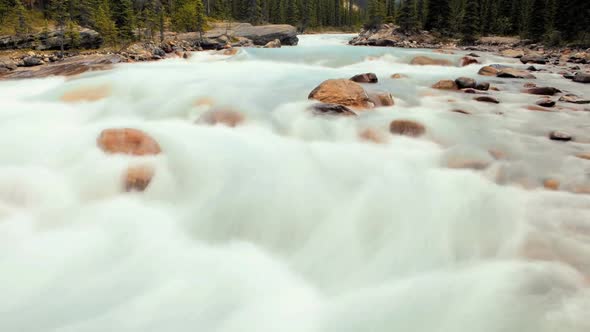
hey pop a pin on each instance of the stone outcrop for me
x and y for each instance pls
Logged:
(390, 35)
(89, 39)
(67, 67)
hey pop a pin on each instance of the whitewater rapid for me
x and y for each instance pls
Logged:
(290, 222)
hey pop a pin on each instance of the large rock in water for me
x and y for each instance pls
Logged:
(89, 39)
(261, 34)
(426, 61)
(582, 77)
(68, 67)
(343, 92)
(127, 141)
(407, 128)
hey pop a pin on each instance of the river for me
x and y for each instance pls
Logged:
(290, 221)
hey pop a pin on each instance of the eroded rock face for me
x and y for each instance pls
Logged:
(365, 78)
(89, 39)
(407, 128)
(426, 61)
(127, 141)
(342, 92)
(331, 109)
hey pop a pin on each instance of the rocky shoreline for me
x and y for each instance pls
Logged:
(36, 56)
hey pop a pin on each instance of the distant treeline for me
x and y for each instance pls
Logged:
(553, 21)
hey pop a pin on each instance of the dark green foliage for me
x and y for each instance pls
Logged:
(438, 15)
(376, 12)
(470, 25)
(407, 17)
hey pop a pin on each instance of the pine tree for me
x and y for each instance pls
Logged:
(254, 15)
(536, 21)
(376, 12)
(470, 25)
(72, 34)
(292, 12)
(104, 24)
(22, 25)
(407, 17)
(124, 19)
(438, 15)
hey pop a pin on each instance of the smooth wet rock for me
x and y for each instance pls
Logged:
(138, 178)
(461, 111)
(514, 73)
(88, 94)
(488, 71)
(582, 77)
(407, 128)
(32, 61)
(225, 117)
(445, 85)
(465, 83)
(68, 67)
(482, 86)
(342, 92)
(538, 59)
(399, 76)
(545, 102)
(273, 44)
(542, 90)
(487, 99)
(331, 109)
(365, 78)
(381, 98)
(569, 98)
(560, 136)
(127, 141)
(426, 61)
(466, 61)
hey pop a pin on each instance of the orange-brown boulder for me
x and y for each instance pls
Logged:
(86, 94)
(445, 85)
(127, 141)
(426, 61)
(488, 71)
(585, 155)
(407, 128)
(138, 178)
(467, 60)
(226, 117)
(342, 92)
(551, 184)
(381, 99)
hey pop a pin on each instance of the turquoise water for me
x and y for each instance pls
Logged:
(290, 222)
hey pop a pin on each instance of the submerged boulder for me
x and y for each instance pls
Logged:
(365, 78)
(227, 117)
(445, 85)
(542, 90)
(426, 61)
(466, 61)
(582, 77)
(465, 83)
(138, 178)
(127, 141)
(342, 92)
(514, 73)
(488, 71)
(407, 128)
(487, 99)
(381, 98)
(560, 136)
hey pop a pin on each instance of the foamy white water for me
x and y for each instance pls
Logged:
(290, 222)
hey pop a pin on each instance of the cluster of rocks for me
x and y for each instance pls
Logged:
(51, 40)
(391, 35)
(220, 37)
